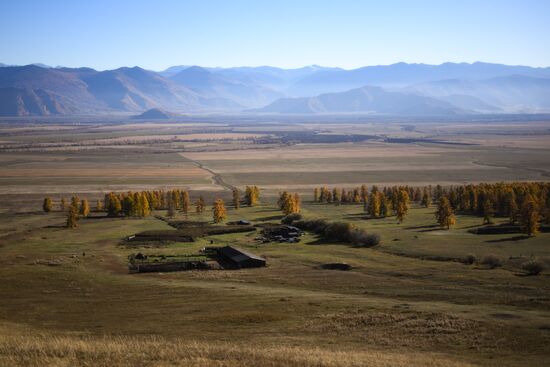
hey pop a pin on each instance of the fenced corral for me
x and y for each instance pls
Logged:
(140, 263)
(227, 257)
(202, 229)
(168, 266)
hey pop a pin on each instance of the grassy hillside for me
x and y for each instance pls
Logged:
(68, 298)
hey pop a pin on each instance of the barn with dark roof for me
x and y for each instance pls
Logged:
(236, 258)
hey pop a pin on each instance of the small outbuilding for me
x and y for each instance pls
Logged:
(236, 258)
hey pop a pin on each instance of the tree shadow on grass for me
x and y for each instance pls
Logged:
(262, 210)
(357, 216)
(269, 218)
(322, 241)
(474, 226)
(55, 226)
(424, 227)
(508, 239)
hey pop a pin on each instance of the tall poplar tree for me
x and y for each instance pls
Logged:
(444, 214)
(47, 205)
(219, 212)
(236, 199)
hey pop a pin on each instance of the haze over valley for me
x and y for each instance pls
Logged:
(397, 89)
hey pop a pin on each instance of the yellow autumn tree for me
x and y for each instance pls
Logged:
(72, 218)
(47, 205)
(219, 212)
(529, 216)
(84, 208)
(444, 214)
(199, 205)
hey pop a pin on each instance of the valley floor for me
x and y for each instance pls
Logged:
(67, 298)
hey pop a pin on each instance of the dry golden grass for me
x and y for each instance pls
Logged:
(181, 171)
(34, 349)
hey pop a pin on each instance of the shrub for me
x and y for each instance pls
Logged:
(533, 267)
(469, 259)
(492, 261)
(361, 238)
(317, 226)
(291, 218)
(339, 231)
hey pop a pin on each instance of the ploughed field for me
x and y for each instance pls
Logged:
(69, 299)
(96, 158)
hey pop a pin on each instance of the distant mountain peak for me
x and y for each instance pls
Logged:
(153, 114)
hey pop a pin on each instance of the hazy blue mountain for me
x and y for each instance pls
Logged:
(515, 93)
(136, 89)
(402, 74)
(467, 102)
(87, 91)
(153, 114)
(213, 85)
(477, 87)
(363, 100)
(70, 92)
(173, 70)
(271, 77)
(28, 101)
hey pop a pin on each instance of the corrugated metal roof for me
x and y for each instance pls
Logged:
(238, 255)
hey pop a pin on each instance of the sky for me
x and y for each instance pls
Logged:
(341, 33)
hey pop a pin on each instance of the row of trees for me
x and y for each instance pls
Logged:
(77, 208)
(141, 204)
(525, 203)
(376, 203)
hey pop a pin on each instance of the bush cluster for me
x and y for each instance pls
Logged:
(533, 267)
(492, 261)
(336, 231)
(292, 217)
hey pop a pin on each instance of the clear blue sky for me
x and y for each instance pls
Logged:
(156, 34)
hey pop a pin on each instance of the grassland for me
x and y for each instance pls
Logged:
(69, 295)
(68, 298)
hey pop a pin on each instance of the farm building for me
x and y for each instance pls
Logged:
(236, 258)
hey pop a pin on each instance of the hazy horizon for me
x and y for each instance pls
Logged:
(42, 64)
(104, 35)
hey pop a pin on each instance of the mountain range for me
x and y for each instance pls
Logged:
(399, 89)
